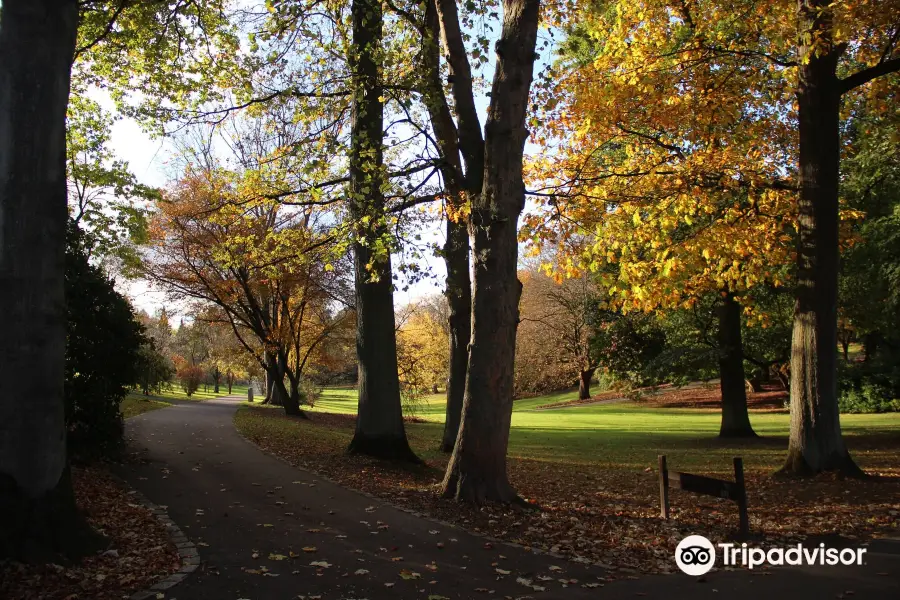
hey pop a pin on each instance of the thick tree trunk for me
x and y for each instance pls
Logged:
(477, 468)
(732, 383)
(38, 518)
(379, 422)
(584, 384)
(216, 377)
(816, 443)
(292, 406)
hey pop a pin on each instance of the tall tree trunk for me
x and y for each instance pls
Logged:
(732, 383)
(584, 383)
(477, 468)
(816, 443)
(38, 518)
(216, 376)
(459, 298)
(379, 421)
(456, 249)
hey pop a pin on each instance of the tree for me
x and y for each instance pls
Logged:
(462, 149)
(105, 199)
(220, 239)
(477, 468)
(38, 518)
(379, 421)
(422, 348)
(565, 315)
(154, 369)
(699, 60)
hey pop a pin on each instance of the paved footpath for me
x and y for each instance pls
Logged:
(260, 525)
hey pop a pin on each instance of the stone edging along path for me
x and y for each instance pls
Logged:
(187, 551)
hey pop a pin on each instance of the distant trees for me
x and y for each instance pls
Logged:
(557, 324)
(257, 266)
(154, 369)
(422, 348)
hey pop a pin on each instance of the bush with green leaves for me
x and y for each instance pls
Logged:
(871, 386)
(103, 342)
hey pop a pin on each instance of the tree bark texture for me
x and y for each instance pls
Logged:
(732, 383)
(456, 249)
(379, 422)
(477, 468)
(38, 518)
(816, 443)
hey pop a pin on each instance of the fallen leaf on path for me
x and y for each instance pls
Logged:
(320, 563)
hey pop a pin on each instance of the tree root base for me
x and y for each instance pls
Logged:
(44, 530)
(394, 448)
(796, 466)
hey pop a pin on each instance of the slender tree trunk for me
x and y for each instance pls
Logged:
(379, 422)
(816, 443)
(216, 376)
(270, 375)
(477, 468)
(459, 298)
(456, 248)
(38, 518)
(733, 384)
(584, 383)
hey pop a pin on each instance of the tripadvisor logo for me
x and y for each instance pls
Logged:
(696, 555)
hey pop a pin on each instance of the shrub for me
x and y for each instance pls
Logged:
(869, 398)
(190, 377)
(871, 386)
(103, 339)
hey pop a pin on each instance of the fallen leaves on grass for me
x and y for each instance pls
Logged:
(142, 552)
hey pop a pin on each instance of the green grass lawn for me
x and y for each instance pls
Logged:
(174, 392)
(630, 435)
(136, 404)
